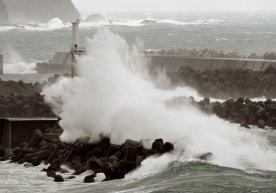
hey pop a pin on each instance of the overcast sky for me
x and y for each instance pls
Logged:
(136, 5)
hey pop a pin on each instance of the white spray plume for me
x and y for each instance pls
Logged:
(108, 98)
(14, 64)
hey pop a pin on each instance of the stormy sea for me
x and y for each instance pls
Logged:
(114, 96)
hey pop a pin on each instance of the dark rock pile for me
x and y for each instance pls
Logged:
(242, 111)
(270, 56)
(18, 88)
(229, 83)
(24, 106)
(211, 53)
(21, 99)
(115, 161)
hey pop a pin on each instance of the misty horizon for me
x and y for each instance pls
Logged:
(85, 6)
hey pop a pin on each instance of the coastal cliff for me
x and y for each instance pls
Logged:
(38, 11)
(4, 18)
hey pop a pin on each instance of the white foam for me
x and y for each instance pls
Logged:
(57, 24)
(145, 22)
(14, 63)
(53, 24)
(7, 28)
(108, 98)
(197, 22)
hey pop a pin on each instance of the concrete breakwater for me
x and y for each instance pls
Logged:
(222, 78)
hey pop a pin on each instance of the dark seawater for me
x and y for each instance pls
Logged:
(204, 177)
(244, 32)
(188, 177)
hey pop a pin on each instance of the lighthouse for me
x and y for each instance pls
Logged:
(64, 62)
(76, 48)
(75, 34)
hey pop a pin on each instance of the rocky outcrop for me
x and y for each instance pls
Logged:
(95, 18)
(229, 83)
(3, 13)
(113, 160)
(25, 11)
(243, 111)
(207, 53)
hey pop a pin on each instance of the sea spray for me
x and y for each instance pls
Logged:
(14, 64)
(108, 98)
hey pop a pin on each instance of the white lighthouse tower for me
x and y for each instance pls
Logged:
(64, 62)
(76, 47)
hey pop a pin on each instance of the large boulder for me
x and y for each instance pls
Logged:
(41, 11)
(4, 18)
(95, 18)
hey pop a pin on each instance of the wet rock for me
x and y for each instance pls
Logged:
(158, 145)
(245, 125)
(37, 136)
(207, 100)
(22, 161)
(51, 173)
(63, 170)
(168, 147)
(227, 83)
(115, 161)
(27, 165)
(5, 158)
(35, 161)
(70, 177)
(58, 178)
(89, 179)
(2, 152)
(261, 123)
(206, 156)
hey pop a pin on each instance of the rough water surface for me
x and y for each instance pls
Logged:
(254, 32)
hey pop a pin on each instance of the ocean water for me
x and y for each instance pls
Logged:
(244, 160)
(244, 32)
(178, 177)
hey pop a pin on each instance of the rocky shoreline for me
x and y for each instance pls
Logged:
(113, 160)
(243, 111)
(211, 53)
(117, 160)
(21, 99)
(229, 83)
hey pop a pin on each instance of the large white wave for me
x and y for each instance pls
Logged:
(108, 98)
(53, 24)
(57, 24)
(147, 21)
(14, 64)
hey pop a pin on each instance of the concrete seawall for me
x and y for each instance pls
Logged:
(172, 63)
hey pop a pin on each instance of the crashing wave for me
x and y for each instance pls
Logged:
(53, 24)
